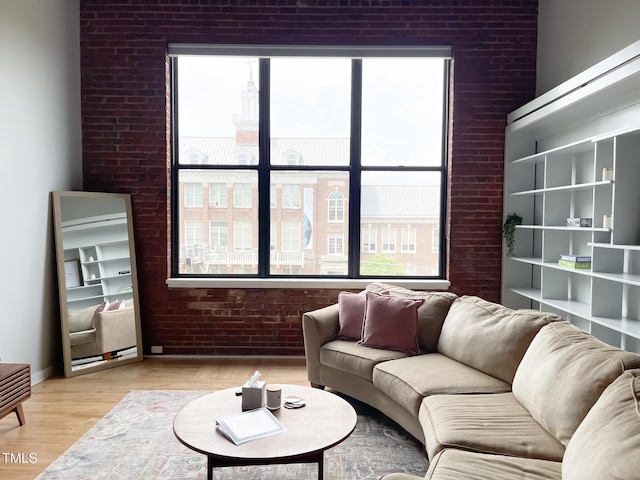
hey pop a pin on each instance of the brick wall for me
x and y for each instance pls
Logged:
(125, 118)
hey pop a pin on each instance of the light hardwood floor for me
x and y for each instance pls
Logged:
(61, 410)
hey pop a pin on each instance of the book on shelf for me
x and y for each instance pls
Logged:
(249, 425)
(576, 265)
(576, 258)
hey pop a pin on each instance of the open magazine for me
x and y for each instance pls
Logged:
(250, 425)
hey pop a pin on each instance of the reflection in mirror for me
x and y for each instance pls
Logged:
(97, 281)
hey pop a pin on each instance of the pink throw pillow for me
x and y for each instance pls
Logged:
(391, 322)
(115, 305)
(99, 309)
(350, 315)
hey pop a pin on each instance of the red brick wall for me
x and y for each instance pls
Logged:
(125, 137)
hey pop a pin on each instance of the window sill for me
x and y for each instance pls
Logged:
(302, 283)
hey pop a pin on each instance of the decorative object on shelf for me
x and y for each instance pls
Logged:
(581, 222)
(577, 265)
(509, 230)
(575, 258)
(607, 174)
(607, 221)
(72, 273)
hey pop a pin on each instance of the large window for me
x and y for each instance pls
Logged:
(314, 162)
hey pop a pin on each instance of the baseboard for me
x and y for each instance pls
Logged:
(38, 376)
(187, 357)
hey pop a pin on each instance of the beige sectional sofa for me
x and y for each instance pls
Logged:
(94, 331)
(494, 393)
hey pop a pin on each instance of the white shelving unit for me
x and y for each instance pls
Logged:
(555, 151)
(101, 247)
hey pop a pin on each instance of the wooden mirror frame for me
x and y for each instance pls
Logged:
(76, 269)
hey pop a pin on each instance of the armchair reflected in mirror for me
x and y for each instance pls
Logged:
(97, 281)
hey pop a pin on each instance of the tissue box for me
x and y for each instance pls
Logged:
(579, 222)
(254, 397)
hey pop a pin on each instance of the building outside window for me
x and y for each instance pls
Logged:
(242, 195)
(408, 239)
(336, 244)
(336, 207)
(194, 232)
(435, 240)
(218, 236)
(218, 195)
(388, 239)
(291, 196)
(242, 236)
(319, 182)
(273, 199)
(193, 195)
(291, 236)
(369, 237)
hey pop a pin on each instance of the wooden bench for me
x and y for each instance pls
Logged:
(15, 388)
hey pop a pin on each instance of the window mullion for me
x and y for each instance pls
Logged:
(444, 164)
(264, 177)
(356, 168)
(175, 172)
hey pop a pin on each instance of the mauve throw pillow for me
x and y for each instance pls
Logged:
(350, 315)
(115, 305)
(391, 322)
(99, 310)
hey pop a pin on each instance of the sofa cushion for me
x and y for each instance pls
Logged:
(350, 315)
(431, 313)
(495, 423)
(400, 476)
(355, 359)
(405, 380)
(80, 320)
(606, 445)
(452, 464)
(489, 336)
(391, 322)
(563, 373)
(83, 337)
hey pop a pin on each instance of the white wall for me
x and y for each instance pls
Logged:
(41, 151)
(575, 34)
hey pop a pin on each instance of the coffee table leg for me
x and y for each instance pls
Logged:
(314, 458)
(321, 466)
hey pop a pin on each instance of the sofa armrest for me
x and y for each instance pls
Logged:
(115, 329)
(318, 327)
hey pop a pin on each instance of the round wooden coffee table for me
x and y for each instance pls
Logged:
(324, 422)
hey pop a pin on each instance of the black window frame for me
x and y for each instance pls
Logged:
(264, 168)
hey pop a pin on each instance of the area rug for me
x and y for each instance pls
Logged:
(135, 441)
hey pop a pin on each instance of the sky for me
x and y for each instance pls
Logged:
(310, 98)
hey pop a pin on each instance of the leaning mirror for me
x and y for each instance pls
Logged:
(97, 281)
